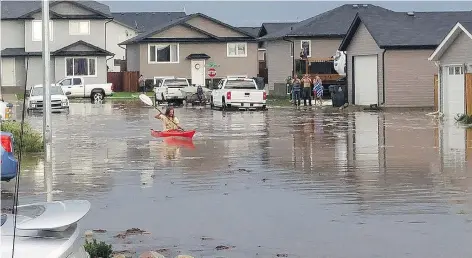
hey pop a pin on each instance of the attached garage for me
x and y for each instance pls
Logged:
(8, 72)
(365, 80)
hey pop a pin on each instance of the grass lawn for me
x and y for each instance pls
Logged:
(128, 95)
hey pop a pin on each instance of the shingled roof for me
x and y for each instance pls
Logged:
(19, 9)
(254, 31)
(333, 23)
(271, 27)
(143, 21)
(399, 30)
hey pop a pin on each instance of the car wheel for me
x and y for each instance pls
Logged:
(97, 97)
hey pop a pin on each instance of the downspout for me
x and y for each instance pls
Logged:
(438, 112)
(383, 77)
(110, 20)
(293, 55)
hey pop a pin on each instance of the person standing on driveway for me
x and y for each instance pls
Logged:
(306, 89)
(142, 84)
(296, 90)
(318, 90)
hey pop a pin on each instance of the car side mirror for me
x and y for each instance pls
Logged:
(68, 93)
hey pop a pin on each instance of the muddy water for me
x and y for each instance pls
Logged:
(281, 182)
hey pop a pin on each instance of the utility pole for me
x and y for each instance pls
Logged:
(47, 132)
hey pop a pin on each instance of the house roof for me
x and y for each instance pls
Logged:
(12, 52)
(22, 9)
(333, 23)
(143, 21)
(271, 27)
(465, 27)
(254, 31)
(96, 51)
(198, 56)
(182, 21)
(402, 30)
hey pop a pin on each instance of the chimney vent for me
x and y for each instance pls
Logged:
(411, 14)
(355, 6)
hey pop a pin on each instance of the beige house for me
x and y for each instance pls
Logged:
(186, 47)
(387, 62)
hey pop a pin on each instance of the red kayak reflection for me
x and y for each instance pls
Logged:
(179, 142)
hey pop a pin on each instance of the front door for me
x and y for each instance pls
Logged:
(8, 72)
(198, 72)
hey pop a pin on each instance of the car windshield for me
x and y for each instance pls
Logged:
(38, 91)
(240, 84)
(175, 83)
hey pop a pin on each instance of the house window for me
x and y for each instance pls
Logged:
(163, 53)
(455, 70)
(81, 66)
(306, 47)
(37, 30)
(79, 27)
(236, 49)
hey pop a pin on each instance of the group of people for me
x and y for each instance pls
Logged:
(305, 82)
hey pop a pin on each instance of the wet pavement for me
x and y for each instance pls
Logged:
(281, 183)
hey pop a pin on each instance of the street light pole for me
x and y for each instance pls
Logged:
(47, 132)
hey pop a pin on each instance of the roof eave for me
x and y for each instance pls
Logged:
(447, 41)
(350, 33)
(320, 36)
(408, 47)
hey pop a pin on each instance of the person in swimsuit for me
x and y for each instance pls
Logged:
(306, 89)
(318, 90)
(170, 121)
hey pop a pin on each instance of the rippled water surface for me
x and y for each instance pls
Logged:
(285, 181)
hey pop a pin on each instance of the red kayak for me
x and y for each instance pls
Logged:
(173, 141)
(173, 133)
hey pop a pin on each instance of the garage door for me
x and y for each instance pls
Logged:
(8, 72)
(365, 80)
(366, 138)
(453, 90)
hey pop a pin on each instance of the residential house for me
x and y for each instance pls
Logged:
(186, 46)
(254, 31)
(387, 56)
(128, 25)
(319, 37)
(77, 42)
(453, 58)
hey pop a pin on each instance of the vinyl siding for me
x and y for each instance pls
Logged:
(35, 71)
(409, 78)
(279, 65)
(321, 48)
(459, 52)
(217, 51)
(180, 32)
(12, 34)
(132, 57)
(363, 44)
(101, 67)
(213, 28)
(117, 33)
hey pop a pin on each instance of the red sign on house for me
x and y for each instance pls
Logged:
(211, 72)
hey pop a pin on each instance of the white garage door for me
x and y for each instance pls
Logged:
(367, 138)
(365, 80)
(8, 72)
(453, 90)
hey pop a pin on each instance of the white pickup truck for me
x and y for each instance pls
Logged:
(79, 89)
(170, 90)
(238, 93)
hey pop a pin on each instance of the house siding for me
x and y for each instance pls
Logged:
(279, 66)
(20, 71)
(35, 71)
(101, 66)
(459, 52)
(409, 78)
(12, 34)
(117, 33)
(68, 9)
(180, 32)
(363, 44)
(213, 28)
(132, 57)
(217, 51)
(321, 48)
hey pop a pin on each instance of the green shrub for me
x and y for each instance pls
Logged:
(32, 139)
(98, 249)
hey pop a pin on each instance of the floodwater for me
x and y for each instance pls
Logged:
(281, 183)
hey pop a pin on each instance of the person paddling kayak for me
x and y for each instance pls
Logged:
(170, 121)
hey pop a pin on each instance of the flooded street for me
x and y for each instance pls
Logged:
(263, 184)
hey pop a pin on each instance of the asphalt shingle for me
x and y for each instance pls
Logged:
(254, 31)
(143, 21)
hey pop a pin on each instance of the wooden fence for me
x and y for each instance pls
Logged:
(468, 93)
(124, 81)
(436, 92)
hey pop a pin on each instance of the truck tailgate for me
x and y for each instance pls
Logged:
(247, 96)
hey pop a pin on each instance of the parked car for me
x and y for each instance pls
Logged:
(170, 90)
(59, 100)
(80, 89)
(9, 164)
(238, 93)
(48, 229)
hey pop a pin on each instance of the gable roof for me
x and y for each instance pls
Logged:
(465, 27)
(143, 21)
(96, 51)
(23, 9)
(182, 21)
(332, 24)
(399, 30)
(254, 31)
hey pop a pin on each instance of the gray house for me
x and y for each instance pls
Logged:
(77, 42)
(128, 25)
(187, 46)
(320, 36)
(387, 56)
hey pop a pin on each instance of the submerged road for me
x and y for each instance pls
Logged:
(261, 184)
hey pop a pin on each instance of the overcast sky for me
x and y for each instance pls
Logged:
(253, 13)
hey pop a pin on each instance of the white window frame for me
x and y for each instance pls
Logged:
(453, 67)
(88, 66)
(51, 30)
(236, 44)
(309, 45)
(162, 44)
(71, 33)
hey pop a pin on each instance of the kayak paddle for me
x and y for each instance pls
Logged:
(148, 101)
